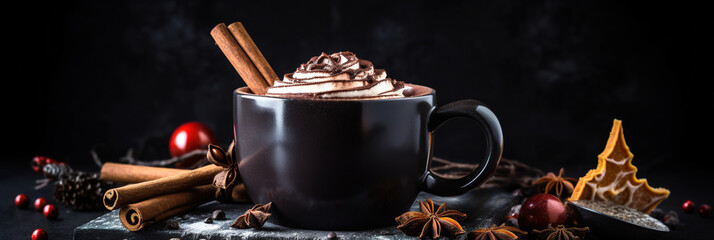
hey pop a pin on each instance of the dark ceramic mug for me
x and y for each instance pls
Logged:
(349, 164)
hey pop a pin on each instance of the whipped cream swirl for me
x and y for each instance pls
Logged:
(337, 76)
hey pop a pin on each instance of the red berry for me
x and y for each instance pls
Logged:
(705, 210)
(188, 137)
(541, 210)
(37, 163)
(50, 211)
(21, 200)
(40, 203)
(50, 161)
(688, 206)
(39, 234)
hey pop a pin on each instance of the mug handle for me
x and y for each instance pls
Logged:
(475, 110)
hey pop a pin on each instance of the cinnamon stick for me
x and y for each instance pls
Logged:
(122, 196)
(238, 58)
(128, 173)
(246, 42)
(136, 216)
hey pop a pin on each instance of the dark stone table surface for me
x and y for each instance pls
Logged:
(483, 206)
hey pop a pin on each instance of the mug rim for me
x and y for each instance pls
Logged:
(429, 92)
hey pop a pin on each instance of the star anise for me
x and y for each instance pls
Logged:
(254, 217)
(502, 232)
(227, 178)
(557, 183)
(561, 233)
(430, 221)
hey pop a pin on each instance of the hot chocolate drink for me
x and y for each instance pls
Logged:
(338, 145)
(325, 153)
(337, 76)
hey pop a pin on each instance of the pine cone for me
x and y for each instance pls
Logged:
(54, 171)
(81, 191)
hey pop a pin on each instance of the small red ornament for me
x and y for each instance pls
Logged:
(188, 137)
(688, 206)
(21, 200)
(39, 234)
(50, 212)
(541, 210)
(37, 163)
(40, 203)
(705, 210)
(50, 161)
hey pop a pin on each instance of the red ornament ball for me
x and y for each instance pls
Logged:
(541, 210)
(188, 137)
(50, 212)
(38, 162)
(40, 203)
(50, 161)
(39, 234)
(21, 200)
(705, 210)
(688, 206)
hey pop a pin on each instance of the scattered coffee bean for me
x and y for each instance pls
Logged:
(332, 236)
(671, 222)
(219, 215)
(671, 219)
(172, 225)
(208, 220)
(670, 214)
(657, 213)
(174, 239)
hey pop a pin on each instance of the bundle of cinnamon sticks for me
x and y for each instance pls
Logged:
(245, 56)
(156, 193)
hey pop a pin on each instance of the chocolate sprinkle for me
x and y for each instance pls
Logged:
(172, 225)
(671, 219)
(657, 213)
(219, 215)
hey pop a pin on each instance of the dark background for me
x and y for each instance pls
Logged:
(120, 75)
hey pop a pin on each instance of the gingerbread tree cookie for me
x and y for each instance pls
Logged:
(614, 178)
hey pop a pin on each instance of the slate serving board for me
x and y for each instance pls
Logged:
(484, 206)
